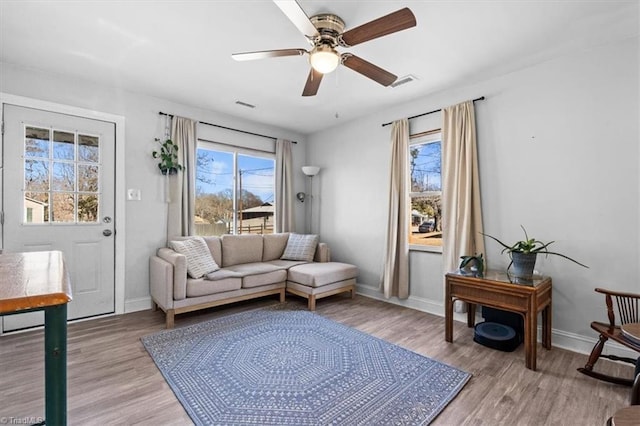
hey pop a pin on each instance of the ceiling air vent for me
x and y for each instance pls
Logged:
(403, 80)
(244, 104)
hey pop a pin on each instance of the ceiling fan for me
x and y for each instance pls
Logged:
(325, 32)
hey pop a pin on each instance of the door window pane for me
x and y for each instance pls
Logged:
(87, 178)
(63, 145)
(63, 177)
(38, 203)
(88, 148)
(36, 142)
(63, 207)
(36, 175)
(87, 208)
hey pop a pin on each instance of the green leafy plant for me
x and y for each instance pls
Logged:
(168, 155)
(530, 246)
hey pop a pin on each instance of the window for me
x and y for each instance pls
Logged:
(426, 190)
(235, 191)
(61, 176)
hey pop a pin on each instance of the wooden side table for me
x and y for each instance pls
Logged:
(500, 290)
(39, 281)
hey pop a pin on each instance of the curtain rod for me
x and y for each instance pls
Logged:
(229, 128)
(481, 98)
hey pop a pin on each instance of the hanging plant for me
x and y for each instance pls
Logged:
(168, 155)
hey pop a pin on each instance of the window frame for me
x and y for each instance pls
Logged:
(431, 136)
(236, 151)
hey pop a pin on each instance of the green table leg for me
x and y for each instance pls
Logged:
(55, 365)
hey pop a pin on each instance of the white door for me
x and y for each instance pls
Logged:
(58, 178)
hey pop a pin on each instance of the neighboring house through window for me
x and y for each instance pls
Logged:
(235, 189)
(425, 166)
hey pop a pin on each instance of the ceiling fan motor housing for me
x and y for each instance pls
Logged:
(330, 28)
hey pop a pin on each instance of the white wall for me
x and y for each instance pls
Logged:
(558, 153)
(558, 149)
(145, 219)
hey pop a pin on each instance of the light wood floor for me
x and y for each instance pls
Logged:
(112, 379)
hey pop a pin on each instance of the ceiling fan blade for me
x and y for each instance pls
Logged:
(388, 24)
(250, 56)
(368, 69)
(297, 16)
(313, 82)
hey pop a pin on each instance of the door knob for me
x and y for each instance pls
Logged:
(107, 232)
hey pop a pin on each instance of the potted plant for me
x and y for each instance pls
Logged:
(168, 155)
(524, 253)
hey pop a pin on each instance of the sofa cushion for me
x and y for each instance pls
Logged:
(250, 281)
(215, 247)
(199, 259)
(202, 287)
(274, 245)
(238, 249)
(319, 274)
(257, 274)
(300, 247)
(222, 274)
(285, 264)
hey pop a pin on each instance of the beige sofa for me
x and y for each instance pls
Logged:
(251, 266)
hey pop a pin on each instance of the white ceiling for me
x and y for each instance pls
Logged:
(181, 50)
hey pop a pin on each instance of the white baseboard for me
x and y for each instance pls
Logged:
(139, 304)
(560, 338)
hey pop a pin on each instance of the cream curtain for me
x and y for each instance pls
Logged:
(182, 186)
(396, 266)
(461, 209)
(285, 220)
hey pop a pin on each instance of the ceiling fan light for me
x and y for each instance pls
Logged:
(324, 59)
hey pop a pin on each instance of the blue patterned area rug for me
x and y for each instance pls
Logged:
(274, 367)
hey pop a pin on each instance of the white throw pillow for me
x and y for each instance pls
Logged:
(199, 259)
(300, 247)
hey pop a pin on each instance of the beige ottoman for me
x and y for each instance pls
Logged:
(321, 279)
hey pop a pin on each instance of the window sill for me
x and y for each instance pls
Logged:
(425, 248)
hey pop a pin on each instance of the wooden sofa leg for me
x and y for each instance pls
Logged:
(170, 318)
(282, 293)
(154, 306)
(353, 292)
(312, 302)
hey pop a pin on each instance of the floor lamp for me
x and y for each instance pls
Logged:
(310, 171)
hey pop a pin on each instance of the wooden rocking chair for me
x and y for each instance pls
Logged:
(627, 310)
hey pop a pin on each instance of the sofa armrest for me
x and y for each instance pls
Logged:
(179, 276)
(161, 282)
(323, 254)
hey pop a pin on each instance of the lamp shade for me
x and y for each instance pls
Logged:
(310, 170)
(324, 59)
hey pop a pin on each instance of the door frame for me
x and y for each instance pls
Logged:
(119, 226)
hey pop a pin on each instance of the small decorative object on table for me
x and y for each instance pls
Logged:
(475, 264)
(168, 155)
(524, 253)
